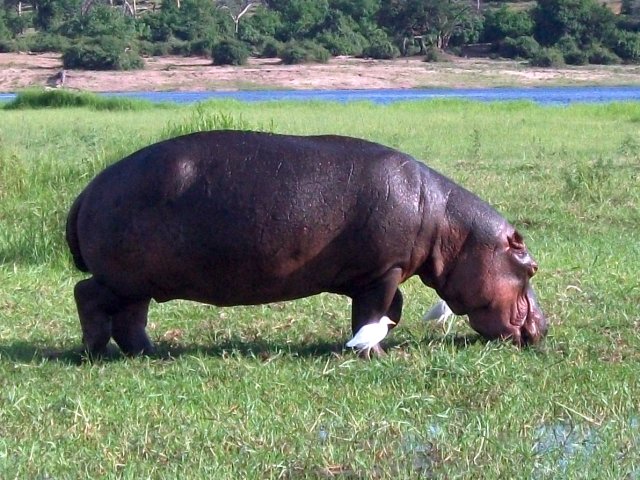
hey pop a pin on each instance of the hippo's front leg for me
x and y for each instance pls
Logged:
(382, 298)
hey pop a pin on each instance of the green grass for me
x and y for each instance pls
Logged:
(268, 391)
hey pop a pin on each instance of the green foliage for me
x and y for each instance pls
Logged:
(585, 20)
(589, 180)
(600, 55)
(5, 33)
(433, 54)
(230, 52)
(506, 22)
(205, 119)
(572, 53)
(102, 53)
(271, 48)
(100, 21)
(268, 391)
(380, 47)
(191, 29)
(13, 45)
(521, 47)
(16, 24)
(51, 14)
(299, 19)
(203, 47)
(548, 58)
(47, 42)
(437, 20)
(627, 46)
(60, 98)
(263, 23)
(295, 52)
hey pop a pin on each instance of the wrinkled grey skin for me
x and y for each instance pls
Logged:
(242, 218)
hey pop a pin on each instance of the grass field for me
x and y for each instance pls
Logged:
(269, 391)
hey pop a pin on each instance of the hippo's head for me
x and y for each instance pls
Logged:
(489, 282)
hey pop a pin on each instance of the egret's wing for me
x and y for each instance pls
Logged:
(360, 338)
(369, 335)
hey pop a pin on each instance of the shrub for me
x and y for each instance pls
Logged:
(521, 47)
(600, 55)
(271, 48)
(506, 22)
(547, 57)
(8, 46)
(381, 47)
(230, 52)
(13, 45)
(304, 52)
(433, 54)
(343, 43)
(202, 46)
(102, 53)
(179, 47)
(572, 53)
(47, 42)
(5, 34)
(37, 98)
(627, 46)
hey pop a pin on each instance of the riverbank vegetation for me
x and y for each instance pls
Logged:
(269, 391)
(97, 35)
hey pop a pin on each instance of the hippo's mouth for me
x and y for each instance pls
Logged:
(531, 321)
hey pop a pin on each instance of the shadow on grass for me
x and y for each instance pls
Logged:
(25, 352)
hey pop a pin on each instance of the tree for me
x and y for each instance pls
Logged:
(584, 20)
(300, 18)
(237, 9)
(436, 21)
(506, 22)
(50, 14)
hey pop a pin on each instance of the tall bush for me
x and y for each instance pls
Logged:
(230, 52)
(102, 53)
(627, 46)
(506, 22)
(303, 52)
(380, 47)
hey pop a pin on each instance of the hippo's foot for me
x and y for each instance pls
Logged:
(104, 314)
(128, 329)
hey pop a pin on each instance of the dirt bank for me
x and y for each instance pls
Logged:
(19, 71)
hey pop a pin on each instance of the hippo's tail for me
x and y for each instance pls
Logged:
(72, 235)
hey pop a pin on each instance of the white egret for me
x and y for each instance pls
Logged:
(441, 313)
(370, 335)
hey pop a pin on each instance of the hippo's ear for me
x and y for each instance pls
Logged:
(516, 241)
(521, 254)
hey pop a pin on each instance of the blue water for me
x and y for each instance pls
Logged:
(542, 95)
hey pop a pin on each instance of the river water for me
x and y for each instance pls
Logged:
(542, 95)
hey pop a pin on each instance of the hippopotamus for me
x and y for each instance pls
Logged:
(246, 218)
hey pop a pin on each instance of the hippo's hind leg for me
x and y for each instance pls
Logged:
(104, 314)
(382, 298)
(93, 301)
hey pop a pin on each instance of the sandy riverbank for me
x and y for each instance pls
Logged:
(18, 71)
